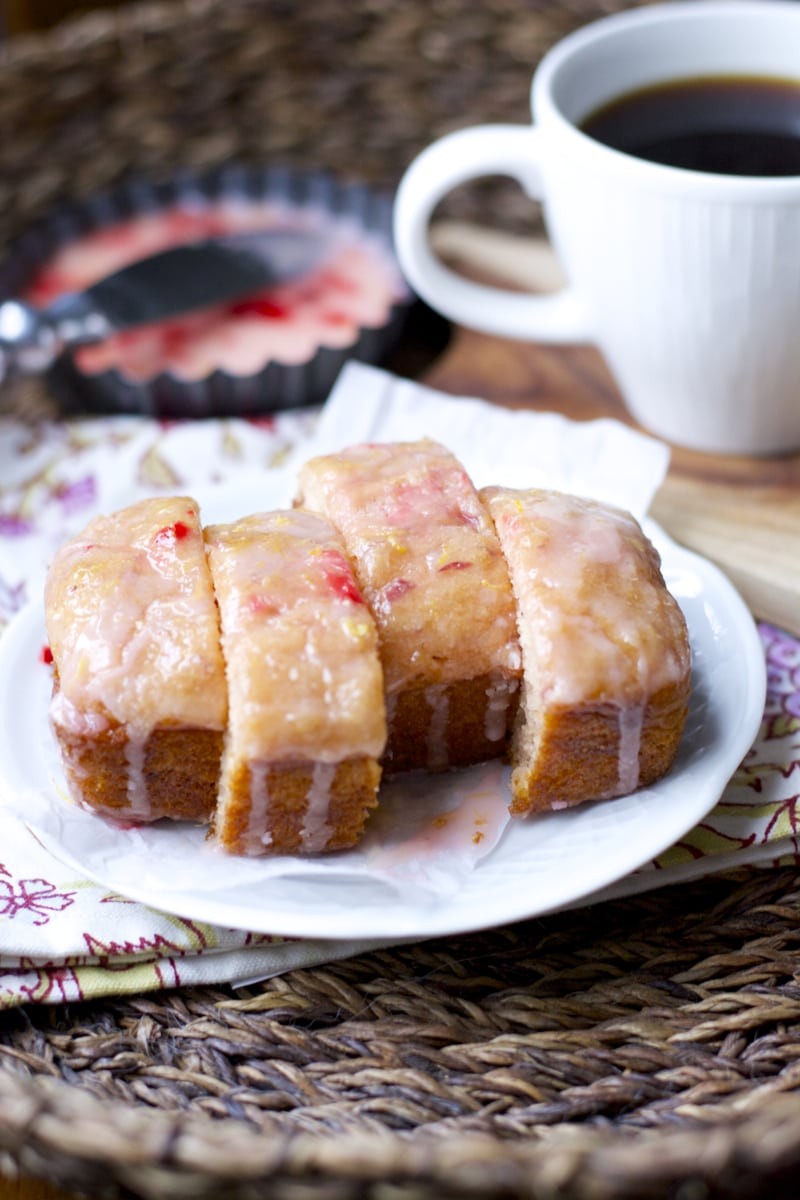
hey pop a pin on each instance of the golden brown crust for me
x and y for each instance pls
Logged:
(139, 701)
(578, 750)
(415, 744)
(662, 729)
(606, 655)
(180, 769)
(598, 711)
(353, 794)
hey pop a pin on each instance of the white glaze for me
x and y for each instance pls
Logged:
(136, 783)
(436, 742)
(316, 826)
(132, 628)
(427, 558)
(132, 624)
(630, 740)
(257, 833)
(304, 676)
(607, 633)
(499, 694)
(598, 626)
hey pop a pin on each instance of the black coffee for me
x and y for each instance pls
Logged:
(729, 125)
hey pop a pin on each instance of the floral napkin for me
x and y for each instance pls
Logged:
(63, 937)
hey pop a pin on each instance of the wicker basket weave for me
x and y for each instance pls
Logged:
(642, 1048)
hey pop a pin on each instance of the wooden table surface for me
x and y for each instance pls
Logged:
(31, 1189)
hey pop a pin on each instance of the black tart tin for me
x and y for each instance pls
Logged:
(273, 388)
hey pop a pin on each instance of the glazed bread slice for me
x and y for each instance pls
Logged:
(431, 570)
(139, 704)
(606, 658)
(307, 722)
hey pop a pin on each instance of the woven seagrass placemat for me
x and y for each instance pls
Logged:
(646, 1047)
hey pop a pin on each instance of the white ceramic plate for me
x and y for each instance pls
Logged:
(536, 866)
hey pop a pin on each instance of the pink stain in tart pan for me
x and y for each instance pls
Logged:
(355, 288)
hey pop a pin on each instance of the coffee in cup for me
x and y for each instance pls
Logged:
(665, 150)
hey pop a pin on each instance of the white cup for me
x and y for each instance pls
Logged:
(687, 281)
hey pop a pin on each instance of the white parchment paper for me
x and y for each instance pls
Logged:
(429, 832)
(603, 459)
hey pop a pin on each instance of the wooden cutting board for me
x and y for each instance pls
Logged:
(742, 513)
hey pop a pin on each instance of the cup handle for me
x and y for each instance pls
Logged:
(454, 159)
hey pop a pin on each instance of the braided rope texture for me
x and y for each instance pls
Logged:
(357, 89)
(642, 1048)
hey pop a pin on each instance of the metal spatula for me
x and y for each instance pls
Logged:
(173, 282)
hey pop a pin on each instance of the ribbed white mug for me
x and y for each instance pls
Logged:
(688, 282)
